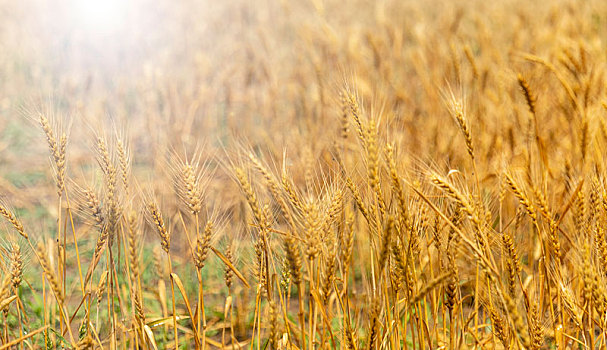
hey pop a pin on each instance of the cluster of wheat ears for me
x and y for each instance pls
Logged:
(433, 189)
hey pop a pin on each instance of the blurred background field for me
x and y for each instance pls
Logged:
(178, 73)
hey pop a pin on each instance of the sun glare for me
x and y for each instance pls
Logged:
(102, 17)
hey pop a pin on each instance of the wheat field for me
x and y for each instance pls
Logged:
(303, 175)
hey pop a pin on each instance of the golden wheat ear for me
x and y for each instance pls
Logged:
(190, 176)
(155, 218)
(57, 148)
(50, 274)
(9, 215)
